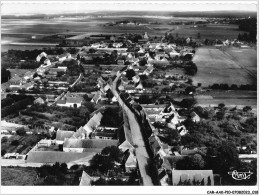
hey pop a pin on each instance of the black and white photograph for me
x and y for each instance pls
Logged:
(130, 95)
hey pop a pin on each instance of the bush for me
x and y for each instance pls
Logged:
(3, 152)
(15, 143)
(15, 107)
(6, 102)
(4, 140)
(247, 108)
(220, 115)
(21, 131)
(188, 103)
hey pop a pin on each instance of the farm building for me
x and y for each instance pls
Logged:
(87, 145)
(85, 179)
(62, 135)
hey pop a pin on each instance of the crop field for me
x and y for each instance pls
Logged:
(227, 66)
(18, 176)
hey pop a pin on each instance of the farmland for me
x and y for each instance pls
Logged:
(18, 176)
(17, 33)
(225, 66)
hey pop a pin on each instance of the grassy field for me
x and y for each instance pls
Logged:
(18, 176)
(230, 66)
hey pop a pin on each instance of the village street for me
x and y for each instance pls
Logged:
(138, 141)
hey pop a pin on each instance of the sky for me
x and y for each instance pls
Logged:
(47, 7)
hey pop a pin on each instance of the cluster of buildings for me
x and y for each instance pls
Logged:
(47, 75)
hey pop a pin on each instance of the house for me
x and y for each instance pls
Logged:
(247, 157)
(16, 80)
(80, 133)
(64, 57)
(179, 177)
(43, 54)
(45, 143)
(130, 89)
(93, 123)
(87, 145)
(195, 117)
(131, 163)
(47, 62)
(39, 100)
(27, 86)
(62, 135)
(74, 102)
(139, 87)
(126, 146)
(50, 98)
(28, 75)
(120, 62)
(85, 179)
(105, 132)
(149, 70)
(136, 78)
(182, 130)
(154, 144)
(142, 41)
(96, 97)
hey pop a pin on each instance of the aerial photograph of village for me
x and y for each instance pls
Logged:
(128, 94)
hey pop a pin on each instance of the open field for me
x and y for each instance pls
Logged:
(18, 176)
(227, 66)
(21, 30)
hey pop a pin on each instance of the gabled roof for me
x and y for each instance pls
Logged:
(154, 144)
(96, 97)
(26, 85)
(125, 146)
(94, 121)
(89, 143)
(62, 135)
(131, 161)
(16, 78)
(85, 179)
(80, 133)
(61, 101)
(28, 74)
(74, 100)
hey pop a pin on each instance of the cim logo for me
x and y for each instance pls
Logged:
(240, 175)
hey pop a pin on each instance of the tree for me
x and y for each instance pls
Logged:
(209, 181)
(197, 162)
(190, 89)
(5, 75)
(102, 163)
(221, 105)
(15, 143)
(63, 167)
(247, 108)
(130, 73)
(21, 131)
(228, 156)
(188, 103)
(113, 152)
(220, 115)
(3, 152)
(4, 139)
(202, 182)
(198, 35)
